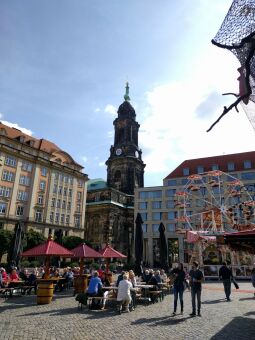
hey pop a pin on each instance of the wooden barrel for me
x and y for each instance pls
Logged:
(80, 283)
(44, 293)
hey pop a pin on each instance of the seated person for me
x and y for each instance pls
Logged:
(124, 295)
(4, 277)
(158, 277)
(163, 275)
(95, 289)
(146, 276)
(120, 278)
(106, 283)
(153, 281)
(23, 274)
(14, 275)
(31, 281)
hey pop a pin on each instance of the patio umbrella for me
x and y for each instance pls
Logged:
(138, 244)
(108, 252)
(17, 246)
(83, 251)
(47, 250)
(163, 247)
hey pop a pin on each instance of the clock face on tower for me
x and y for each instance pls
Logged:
(118, 152)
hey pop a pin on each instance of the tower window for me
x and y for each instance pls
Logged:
(117, 176)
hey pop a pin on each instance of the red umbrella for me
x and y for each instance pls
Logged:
(83, 251)
(109, 252)
(48, 249)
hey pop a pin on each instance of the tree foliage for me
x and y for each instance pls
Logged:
(71, 242)
(32, 239)
(5, 241)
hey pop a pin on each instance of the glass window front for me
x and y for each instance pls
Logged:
(156, 204)
(142, 205)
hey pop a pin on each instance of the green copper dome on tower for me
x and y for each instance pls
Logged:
(126, 96)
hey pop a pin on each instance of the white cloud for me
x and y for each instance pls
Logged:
(174, 130)
(101, 164)
(16, 126)
(84, 159)
(97, 109)
(110, 109)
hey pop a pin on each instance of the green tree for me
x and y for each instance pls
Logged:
(32, 239)
(71, 242)
(5, 241)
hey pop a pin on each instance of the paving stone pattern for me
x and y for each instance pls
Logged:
(22, 318)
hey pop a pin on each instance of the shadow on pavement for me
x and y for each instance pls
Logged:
(211, 302)
(166, 320)
(250, 313)
(248, 298)
(238, 328)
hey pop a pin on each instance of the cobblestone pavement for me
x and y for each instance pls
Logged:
(22, 318)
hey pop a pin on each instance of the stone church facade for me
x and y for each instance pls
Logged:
(110, 204)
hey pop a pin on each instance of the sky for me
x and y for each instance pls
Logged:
(64, 65)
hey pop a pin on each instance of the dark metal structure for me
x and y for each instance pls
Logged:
(138, 245)
(163, 247)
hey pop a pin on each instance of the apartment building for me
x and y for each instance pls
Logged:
(40, 185)
(227, 182)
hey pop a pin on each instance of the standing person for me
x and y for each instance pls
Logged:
(179, 278)
(196, 278)
(225, 274)
(253, 278)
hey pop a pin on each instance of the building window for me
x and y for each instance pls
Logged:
(62, 218)
(78, 195)
(78, 208)
(10, 161)
(150, 194)
(5, 191)
(80, 184)
(38, 215)
(22, 196)
(53, 202)
(58, 203)
(172, 182)
(57, 218)
(77, 221)
(40, 199)
(52, 217)
(3, 208)
(143, 205)
(172, 215)
(171, 227)
(60, 190)
(8, 176)
(63, 204)
(24, 180)
(70, 192)
(20, 210)
(71, 180)
(170, 204)
(155, 228)
(42, 185)
(247, 164)
(65, 191)
(145, 228)
(144, 216)
(157, 216)
(200, 169)
(67, 219)
(69, 206)
(215, 167)
(44, 171)
(170, 192)
(231, 166)
(27, 166)
(184, 181)
(185, 171)
(55, 188)
(156, 204)
(66, 179)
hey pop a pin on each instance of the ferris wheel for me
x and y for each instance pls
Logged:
(214, 202)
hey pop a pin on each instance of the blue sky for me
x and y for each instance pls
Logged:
(64, 64)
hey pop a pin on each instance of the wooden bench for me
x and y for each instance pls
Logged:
(6, 291)
(156, 294)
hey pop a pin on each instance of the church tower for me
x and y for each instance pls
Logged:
(125, 168)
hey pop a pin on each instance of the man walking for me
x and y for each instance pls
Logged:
(225, 274)
(196, 278)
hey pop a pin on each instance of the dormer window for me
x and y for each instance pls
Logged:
(185, 171)
(231, 166)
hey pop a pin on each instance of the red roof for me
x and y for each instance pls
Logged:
(109, 252)
(83, 251)
(49, 248)
(207, 163)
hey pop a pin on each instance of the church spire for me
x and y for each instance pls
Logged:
(126, 96)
